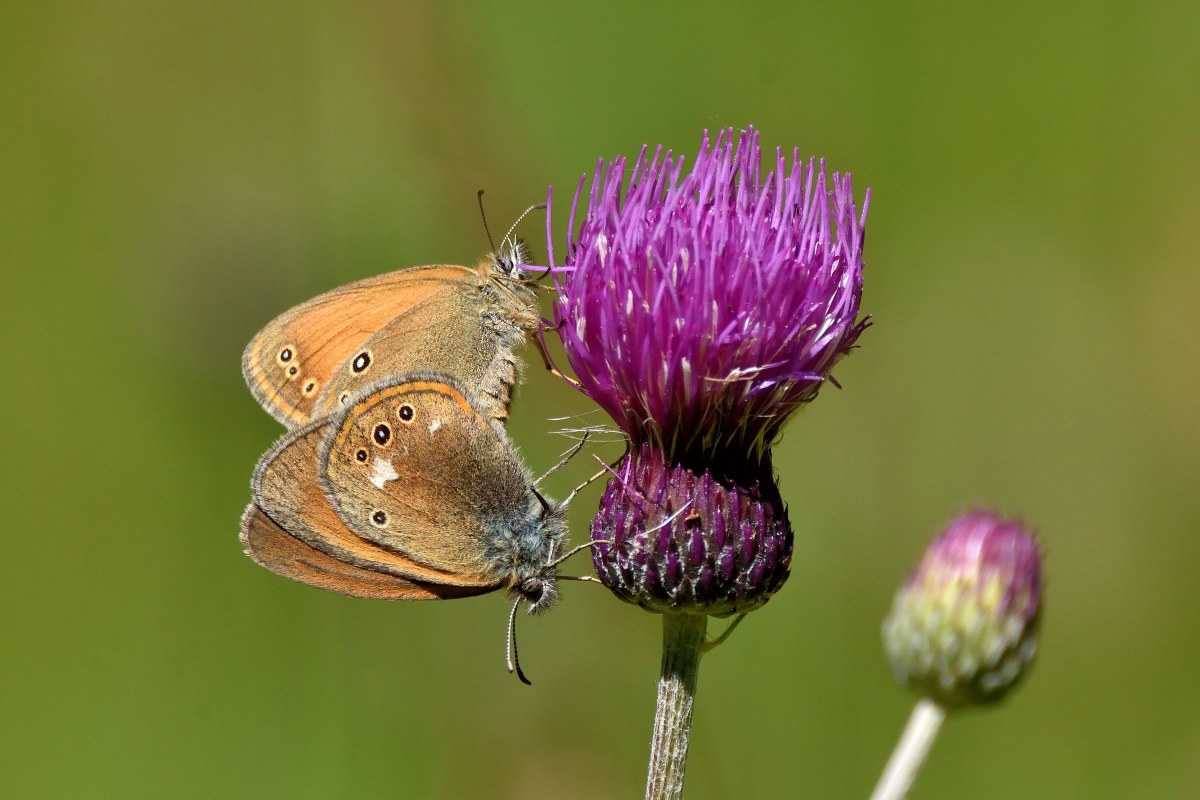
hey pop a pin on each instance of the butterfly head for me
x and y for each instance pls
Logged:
(539, 591)
(540, 550)
(508, 258)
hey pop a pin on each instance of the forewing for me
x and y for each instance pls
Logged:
(452, 332)
(288, 364)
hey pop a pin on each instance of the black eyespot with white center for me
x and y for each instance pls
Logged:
(361, 362)
(406, 413)
(310, 388)
(285, 355)
(361, 455)
(293, 370)
(379, 518)
(382, 434)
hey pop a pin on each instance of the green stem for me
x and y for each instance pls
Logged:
(683, 644)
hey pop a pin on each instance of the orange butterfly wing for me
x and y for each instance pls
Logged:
(290, 361)
(415, 466)
(468, 330)
(287, 490)
(277, 550)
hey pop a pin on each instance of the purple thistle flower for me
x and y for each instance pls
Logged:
(963, 629)
(700, 311)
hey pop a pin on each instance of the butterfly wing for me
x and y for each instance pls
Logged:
(415, 467)
(468, 330)
(277, 550)
(288, 364)
(287, 491)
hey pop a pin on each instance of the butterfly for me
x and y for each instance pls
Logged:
(446, 319)
(409, 492)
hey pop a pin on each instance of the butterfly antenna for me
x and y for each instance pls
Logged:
(510, 652)
(524, 214)
(509, 235)
(486, 229)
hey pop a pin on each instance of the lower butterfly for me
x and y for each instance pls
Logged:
(411, 492)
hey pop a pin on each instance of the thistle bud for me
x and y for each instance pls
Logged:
(963, 629)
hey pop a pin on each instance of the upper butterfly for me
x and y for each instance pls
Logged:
(308, 362)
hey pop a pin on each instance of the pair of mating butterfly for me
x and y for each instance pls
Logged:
(396, 479)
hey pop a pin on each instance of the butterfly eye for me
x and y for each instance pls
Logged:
(382, 434)
(379, 518)
(285, 355)
(532, 589)
(406, 413)
(361, 455)
(361, 362)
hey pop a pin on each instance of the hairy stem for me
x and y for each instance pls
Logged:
(683, 640)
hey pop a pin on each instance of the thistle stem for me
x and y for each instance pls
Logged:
(910, 752)
(683, 640)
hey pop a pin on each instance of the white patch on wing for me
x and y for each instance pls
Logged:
(433, 426)
(384, 472)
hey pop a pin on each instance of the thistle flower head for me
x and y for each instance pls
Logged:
(701, 310)
(963, 629)
(671, 538)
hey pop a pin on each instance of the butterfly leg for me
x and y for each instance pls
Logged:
(547, 359)
(565, 459)
(710, 644)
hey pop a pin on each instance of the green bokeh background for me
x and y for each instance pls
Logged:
(174, 175)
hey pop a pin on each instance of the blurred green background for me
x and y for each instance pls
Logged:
(174, 175)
